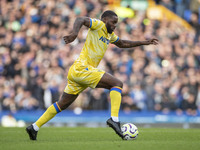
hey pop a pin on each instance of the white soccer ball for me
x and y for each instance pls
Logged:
(130, 131)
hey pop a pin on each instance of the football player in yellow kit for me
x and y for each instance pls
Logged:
(83, 73)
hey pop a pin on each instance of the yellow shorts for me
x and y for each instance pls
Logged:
(80, 77)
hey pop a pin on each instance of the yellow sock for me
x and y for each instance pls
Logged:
(48, 114)
(115, 96)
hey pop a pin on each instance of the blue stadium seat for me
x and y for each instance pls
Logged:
(187, 15)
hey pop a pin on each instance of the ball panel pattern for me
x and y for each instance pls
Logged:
(130, 131)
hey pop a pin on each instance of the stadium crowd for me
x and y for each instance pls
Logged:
(34, 62)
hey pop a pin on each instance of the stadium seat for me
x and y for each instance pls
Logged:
(187, 15)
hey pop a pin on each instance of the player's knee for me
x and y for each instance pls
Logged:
(119, 84)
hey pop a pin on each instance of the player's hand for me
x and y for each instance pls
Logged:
(153, 41)
(66, 39)
(69, 38)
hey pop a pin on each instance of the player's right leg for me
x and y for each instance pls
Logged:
(70, 93)
(54, 109)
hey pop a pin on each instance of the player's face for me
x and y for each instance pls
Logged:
(111, 23)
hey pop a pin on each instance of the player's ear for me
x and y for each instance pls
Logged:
(104, 19)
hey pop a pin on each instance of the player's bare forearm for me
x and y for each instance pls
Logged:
(129, 44)
(79, 22)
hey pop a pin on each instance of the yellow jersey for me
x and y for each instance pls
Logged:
(96, 44)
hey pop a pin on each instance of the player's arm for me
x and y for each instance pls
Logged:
(128, 44)
(79, 22)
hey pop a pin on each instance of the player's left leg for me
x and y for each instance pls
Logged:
(96, 78)
(115, 86)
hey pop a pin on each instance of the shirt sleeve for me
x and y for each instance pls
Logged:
(114, 38)
(95, 24)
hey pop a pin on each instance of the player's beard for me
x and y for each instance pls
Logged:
(109, 29)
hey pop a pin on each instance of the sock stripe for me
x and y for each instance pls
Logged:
(118, 89)
(57, 107)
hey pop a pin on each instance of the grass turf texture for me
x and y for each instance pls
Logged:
(81, 138)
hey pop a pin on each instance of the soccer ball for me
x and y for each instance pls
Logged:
(130, 131)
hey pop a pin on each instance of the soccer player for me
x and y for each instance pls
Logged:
(83, 73)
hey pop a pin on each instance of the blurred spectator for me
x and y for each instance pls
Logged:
(139, 97)
(188, 103)
(194, 21)
(34, 62)
(28, 102)
(98, 100)
(150, 92)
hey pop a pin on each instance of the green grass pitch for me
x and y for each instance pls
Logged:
(81, 138)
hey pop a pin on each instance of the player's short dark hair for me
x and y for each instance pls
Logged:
(108, 13)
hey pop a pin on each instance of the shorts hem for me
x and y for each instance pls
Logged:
(99, 80)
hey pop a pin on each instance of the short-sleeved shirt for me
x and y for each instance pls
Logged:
(96, 43)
